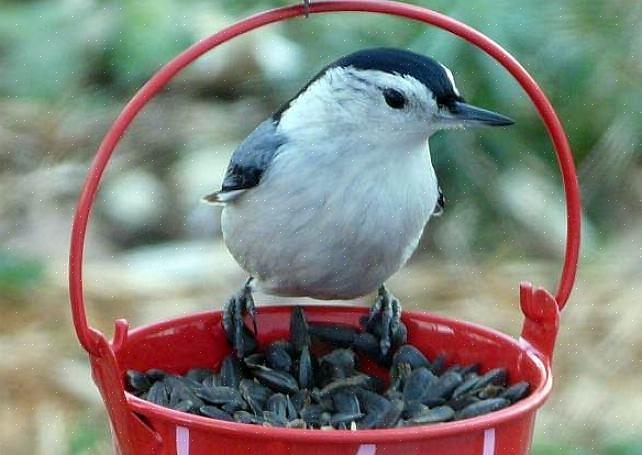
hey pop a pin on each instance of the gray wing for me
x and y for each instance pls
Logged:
(249, 161)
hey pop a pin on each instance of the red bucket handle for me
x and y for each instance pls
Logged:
(90, 338)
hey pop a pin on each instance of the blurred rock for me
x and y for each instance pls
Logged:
(455, 233)
(196, 174)
(279, 57)
(539, 207)
(167, 270)
(134, 200)
(73, 377)
(52, 433)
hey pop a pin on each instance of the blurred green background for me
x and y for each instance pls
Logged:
(67, 67)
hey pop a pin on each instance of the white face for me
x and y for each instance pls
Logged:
(392, 107)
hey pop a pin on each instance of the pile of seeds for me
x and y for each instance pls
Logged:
(288, 385)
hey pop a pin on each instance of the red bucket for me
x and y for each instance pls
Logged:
(139, 427)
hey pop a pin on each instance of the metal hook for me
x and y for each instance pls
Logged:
(306, 8)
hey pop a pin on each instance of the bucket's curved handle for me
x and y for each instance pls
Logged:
(89, 337)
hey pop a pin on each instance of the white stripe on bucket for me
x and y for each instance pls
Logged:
(182, 441)
(367, 449)
(489, 442)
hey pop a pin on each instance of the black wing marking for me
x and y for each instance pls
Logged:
(441, 203)
(249, 161)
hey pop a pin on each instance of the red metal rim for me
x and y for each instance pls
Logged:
(88, 336)
(495, 419)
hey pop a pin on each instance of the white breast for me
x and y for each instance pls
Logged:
(332, 224)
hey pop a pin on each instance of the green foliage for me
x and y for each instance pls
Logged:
(618, 448)
(51, 49)
(625, 448)
(145, 35)
(86, 438)
(41, 48)
(552, 449)
(18, 274)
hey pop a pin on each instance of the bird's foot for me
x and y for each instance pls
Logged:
(384, 321)
(240, 337)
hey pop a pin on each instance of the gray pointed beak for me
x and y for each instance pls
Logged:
(467, 115)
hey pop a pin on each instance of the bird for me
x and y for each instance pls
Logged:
(329, 196)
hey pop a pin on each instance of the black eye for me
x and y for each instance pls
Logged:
(394, 98)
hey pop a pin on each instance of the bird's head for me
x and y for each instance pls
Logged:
(391, 94)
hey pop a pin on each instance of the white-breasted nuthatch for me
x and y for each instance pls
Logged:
(329, 196)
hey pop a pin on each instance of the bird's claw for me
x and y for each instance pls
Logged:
(384, 321)
(240, 337)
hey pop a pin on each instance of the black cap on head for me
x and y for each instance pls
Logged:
(398, 61)
(394, 61)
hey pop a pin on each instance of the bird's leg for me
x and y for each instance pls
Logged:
(306, 7)
(240, 337)
(384, 321)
